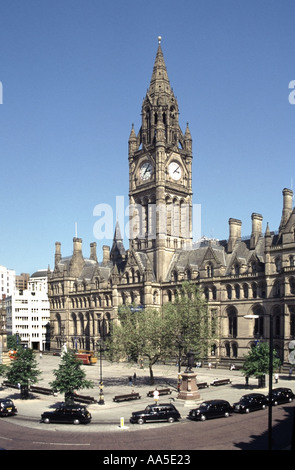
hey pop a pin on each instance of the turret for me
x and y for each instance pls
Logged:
(132, 143)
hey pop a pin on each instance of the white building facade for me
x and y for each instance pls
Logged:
(28, 313)
(7, 281)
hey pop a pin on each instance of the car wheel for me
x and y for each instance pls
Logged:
(140, 421)
(46, 420)
(203, 418)
(171, 420)
(76, 421)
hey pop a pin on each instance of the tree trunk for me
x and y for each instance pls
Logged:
(24, 392)
(151, 374)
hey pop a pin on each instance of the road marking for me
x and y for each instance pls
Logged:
(5, 438)
(58, 443)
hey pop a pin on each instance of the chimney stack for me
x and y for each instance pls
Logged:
(287, 207)
(93, 251)
(77, 245)
(57, 253)
(106, 254)
(234, 233)
(256, 229)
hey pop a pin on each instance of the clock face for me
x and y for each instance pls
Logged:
(175, 171)
(146, 171)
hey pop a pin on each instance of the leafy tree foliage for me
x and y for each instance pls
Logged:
(12, 342)
(69, 376)
(140, 334)
(257, 361)
(173, 331)
(23, 370)
(191, 328)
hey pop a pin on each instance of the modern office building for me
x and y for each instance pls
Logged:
(28, 313)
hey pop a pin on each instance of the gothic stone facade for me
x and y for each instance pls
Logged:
(239, 276)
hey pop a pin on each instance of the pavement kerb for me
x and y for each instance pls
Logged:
(110, 416)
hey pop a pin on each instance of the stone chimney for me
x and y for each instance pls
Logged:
(93, 251)
(234, 233)
(256, 229)
(106, 254)
(77, 261)
(287, 207)
(57, 253)
(77, 245)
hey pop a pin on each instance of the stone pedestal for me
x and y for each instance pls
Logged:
(188, 387)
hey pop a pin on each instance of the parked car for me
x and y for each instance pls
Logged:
(75, 414)
(159, 412)
(7, 407)
(251, 402)
(281, 395)
(211, 409)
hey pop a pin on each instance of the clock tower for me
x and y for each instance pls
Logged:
(160, 176)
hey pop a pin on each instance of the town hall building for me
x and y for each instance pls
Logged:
(238, 276)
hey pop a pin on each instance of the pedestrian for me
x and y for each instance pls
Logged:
(290, 372)
(276, 377)
(209, 365)
(156, 396)
(134, 378)
(130, 381)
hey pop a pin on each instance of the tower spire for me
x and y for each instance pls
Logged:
(159, 84)
(160, 107)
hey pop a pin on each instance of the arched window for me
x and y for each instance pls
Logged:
(254, 290)
(246, 291)
(259, 323)
(210, 270)
(278, 263)
(277, 289)
(237, 269)
(74, 324)
(292, 285)
(232, 322)
(175, 276)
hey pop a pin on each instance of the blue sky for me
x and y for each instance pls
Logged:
(73, 75)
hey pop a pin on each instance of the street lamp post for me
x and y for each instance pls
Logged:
(270, 372)
(101, 396)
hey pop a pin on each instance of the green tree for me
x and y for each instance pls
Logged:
(23, 370)
(138, 335)
(69, 376)
(12, 342)
(257, 362)
(173, 331)
(190, 327)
